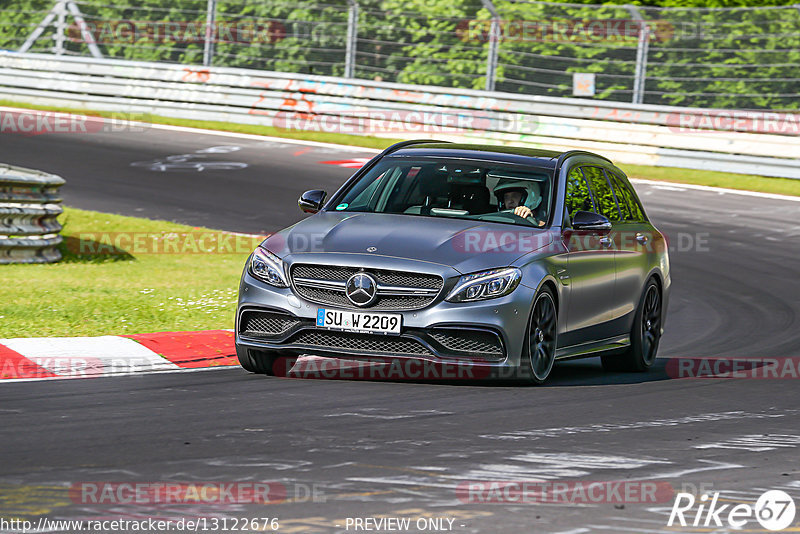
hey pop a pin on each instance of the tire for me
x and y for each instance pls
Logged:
(645, 335)
(541, 336)
(264, 362)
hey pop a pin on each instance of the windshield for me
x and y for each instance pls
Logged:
(455, 188)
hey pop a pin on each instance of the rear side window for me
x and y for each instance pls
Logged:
(578, 197)
(631, 209)
(603, 195)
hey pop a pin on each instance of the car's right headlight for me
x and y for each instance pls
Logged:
(268, 268)
(485, 285)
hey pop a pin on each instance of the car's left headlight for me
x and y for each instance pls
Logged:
(268, 268)
(485, 285)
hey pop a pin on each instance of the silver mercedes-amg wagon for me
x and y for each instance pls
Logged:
(500, 258)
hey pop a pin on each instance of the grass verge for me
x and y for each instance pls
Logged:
(746, 182)
(125, 275)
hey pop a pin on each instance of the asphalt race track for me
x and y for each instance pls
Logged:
(368, 449)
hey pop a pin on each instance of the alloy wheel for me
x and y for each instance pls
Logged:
(651, 324)
(542, 336)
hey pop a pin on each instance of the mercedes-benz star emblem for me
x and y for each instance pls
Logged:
(361, 289)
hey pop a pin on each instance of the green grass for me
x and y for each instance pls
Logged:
(747, 182)
(130, 291)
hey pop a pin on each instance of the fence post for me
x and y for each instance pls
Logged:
(59, 11)
(61, 27)
(642, 49)
(211, 19)
(494, 43)
(352, 39)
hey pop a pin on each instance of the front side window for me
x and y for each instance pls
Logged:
(603, 195)
(455, 188)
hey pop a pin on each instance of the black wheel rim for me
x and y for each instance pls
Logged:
(651, 324)
(542, 336)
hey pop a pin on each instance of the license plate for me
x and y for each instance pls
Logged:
(382, 323)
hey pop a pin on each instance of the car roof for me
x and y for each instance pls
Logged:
(501, 153)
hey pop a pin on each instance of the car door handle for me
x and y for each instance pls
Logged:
(606, 241)
(641, 238)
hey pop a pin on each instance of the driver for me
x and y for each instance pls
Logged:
(520, 197)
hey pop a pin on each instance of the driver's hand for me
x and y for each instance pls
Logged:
(523, 211)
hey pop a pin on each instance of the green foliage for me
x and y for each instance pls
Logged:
(733, 58)
(421, 41)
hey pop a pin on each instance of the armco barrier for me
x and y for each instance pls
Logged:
(751, 142)
(29, 205)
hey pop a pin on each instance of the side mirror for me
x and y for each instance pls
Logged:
(312, 201)
(587, 220)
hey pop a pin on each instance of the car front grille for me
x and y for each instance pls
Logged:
(266, 324)
(324, 284)
(480, 343)
(383, 276)
(377, 343)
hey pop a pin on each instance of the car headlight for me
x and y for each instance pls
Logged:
(485, 285)
(267, 267)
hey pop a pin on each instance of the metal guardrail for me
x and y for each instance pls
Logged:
(740, 56)
(751, 142)
(29, 206)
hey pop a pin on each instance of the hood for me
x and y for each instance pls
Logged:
(465, 245)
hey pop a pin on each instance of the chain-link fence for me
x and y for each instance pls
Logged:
(745, 57)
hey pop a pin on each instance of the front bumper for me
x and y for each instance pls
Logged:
(486, 333)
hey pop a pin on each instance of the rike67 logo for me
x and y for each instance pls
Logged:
(774, 510)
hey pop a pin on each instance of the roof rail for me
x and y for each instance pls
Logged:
(570, 153)
(402, 144)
